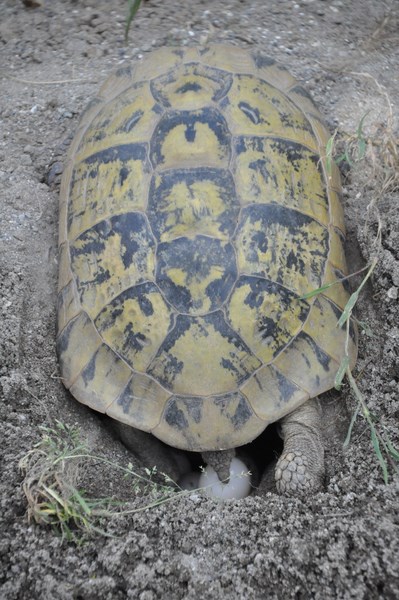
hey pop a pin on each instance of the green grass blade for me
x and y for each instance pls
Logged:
(339, 159)
(348, 309)
(392, 450)
(133, 7)
(341, 372)
(351, 424)
(86, 508)
(378, 453)
(361, 148)
(348, 159)
(318, 290)
(55, 495)
(359, 130)
(365, 327)
(329, 153)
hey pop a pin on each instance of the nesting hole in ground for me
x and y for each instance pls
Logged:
(258, 455)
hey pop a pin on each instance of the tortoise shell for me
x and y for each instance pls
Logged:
(196, 212)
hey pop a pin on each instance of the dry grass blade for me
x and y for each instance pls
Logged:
(379, 148)
(50, 482)
(45, 81)
(51, 471)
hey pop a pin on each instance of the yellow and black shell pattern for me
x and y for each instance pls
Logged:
(196, 212)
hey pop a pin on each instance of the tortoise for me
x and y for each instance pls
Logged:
(197, 212)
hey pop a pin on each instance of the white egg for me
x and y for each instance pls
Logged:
(238, 487)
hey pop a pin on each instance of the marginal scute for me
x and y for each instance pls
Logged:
(68, 305)
(304, 101)
(339, 292)
(270, 71)
(307, 365)
(64, 266)
(91, 108)
(101, 380)
(140, 404)
(190, 202)
(336, 255)
(65, 189)
(194, 86)
(113, 86)
(76, 344)
(332, 339)
(330, 167)
(229, 58)
(336, 210)
(272, 395)
(221, 422)
(161, 60)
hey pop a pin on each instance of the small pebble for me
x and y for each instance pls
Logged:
(25, 160)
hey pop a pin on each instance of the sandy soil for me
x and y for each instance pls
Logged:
(340, 543)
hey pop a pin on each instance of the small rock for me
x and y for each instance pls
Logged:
(54, 172)
(33, 3)
(52, 103)
(25, 160)
(393, 293)
(65, 113)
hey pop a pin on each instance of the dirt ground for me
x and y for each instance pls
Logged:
(340, 543)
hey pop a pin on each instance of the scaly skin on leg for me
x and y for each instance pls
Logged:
(300, 468)
(151, 452)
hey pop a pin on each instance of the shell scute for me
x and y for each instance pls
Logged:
(266, 315)
(186, 350)
(191, 202)
(121, 173)
(196, 275)
(135, 323)
(281, 171)
(140, 404)
(110, 257)
(272, 393)
(282, 245)
(184, 139)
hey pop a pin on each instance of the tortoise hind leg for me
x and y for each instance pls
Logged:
(152, 452)
(300, 468)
